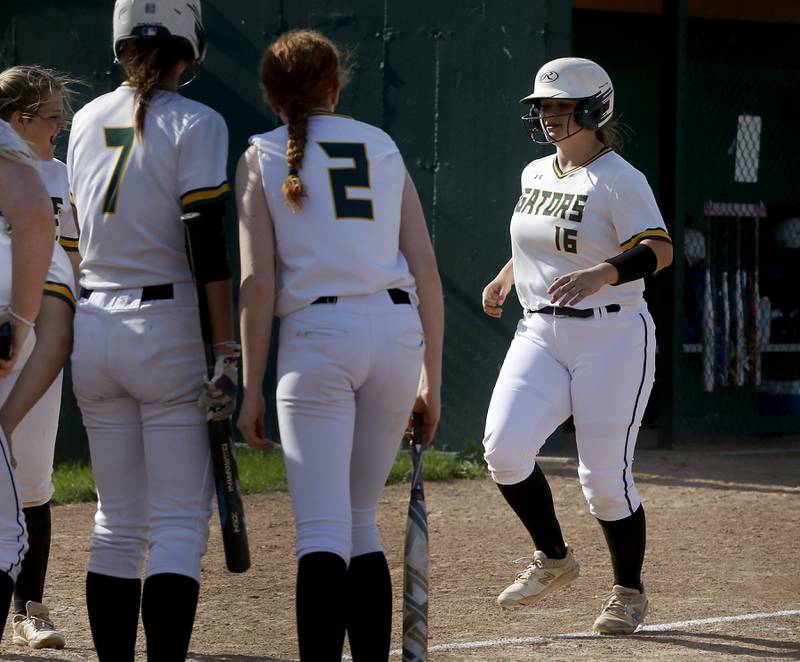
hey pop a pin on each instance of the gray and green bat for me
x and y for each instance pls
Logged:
(416, 560)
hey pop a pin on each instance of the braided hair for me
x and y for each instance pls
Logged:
(299, 72)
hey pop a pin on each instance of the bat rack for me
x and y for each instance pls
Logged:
(731, 336)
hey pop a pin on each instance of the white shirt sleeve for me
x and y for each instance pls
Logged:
(634, 211)
(202, 161)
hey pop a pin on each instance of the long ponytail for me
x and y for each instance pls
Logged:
(147, 63)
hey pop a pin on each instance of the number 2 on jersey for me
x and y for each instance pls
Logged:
(356, 176)
(117, 137)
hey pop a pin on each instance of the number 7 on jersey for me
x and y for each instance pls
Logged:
(117, 137)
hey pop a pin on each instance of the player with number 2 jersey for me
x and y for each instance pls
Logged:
(332, 232)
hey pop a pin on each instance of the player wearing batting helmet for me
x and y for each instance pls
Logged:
(139, 157)
(333, 241)
(585, 232)
(35, 100)
(27, 253)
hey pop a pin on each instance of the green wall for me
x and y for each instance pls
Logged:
(443, 78)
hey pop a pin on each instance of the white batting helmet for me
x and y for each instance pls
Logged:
(180, 20)
(574, 78)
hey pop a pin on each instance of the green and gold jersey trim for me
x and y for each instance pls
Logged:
(60, 291)
(329, 113)
(202, 196)
(561, 174)
(659, 234)
(68, 244)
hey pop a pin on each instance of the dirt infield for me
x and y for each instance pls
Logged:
(723, 535)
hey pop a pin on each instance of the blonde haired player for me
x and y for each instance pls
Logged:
(26, 257)
(333, 241)
(35, 101)
(584, 233)
(139, 157)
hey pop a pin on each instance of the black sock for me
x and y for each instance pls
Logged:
(626, 540)
(30, 582)
(321, 583)
(532, 501)
(6, 591)
(169, 603)
(369, 607)
(113, 606)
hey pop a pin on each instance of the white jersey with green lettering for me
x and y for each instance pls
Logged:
(354, 176)
(565, 221)
(130, 192)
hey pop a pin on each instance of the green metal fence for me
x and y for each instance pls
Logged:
(442, 78)
(740, 359)
(711, 116)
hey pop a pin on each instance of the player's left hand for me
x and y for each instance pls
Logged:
(219, 393)
(251, 421)
(574, 287)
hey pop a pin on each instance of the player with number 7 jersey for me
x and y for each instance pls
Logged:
(125, 241)
(139, 158)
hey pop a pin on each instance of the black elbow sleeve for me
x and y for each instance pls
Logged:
(638, 262)
(209, 247)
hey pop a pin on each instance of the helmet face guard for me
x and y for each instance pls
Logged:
(533, 125)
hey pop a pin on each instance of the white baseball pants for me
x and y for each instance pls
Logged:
(34, 439)
(347, 379)
(13, 534)
(137, 372)
(598, 370)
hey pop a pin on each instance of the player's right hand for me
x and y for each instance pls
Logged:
(251, 422)
(429, 404)
(494, 296)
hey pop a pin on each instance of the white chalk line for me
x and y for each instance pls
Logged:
(661, 627)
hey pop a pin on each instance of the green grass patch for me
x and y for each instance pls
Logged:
(260, 471)
(436, 465)
(264, 472)
(73, 483)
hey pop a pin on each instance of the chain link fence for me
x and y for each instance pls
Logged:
(740, 365)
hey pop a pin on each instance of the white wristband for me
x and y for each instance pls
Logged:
(21, 319)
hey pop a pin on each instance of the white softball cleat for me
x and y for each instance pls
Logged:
(542, 576)
(623, 611)
(36, 630)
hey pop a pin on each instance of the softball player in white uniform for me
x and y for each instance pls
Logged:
(33, 99)
(139, 156)
(584, 233)
(26, 256)
(339, 250)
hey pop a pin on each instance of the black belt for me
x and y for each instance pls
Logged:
(397, 295)
(149, 292)
(563, 311)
